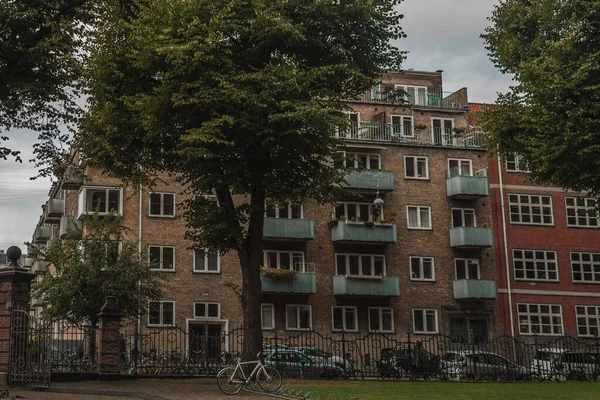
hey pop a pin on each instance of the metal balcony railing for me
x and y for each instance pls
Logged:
(425, 99)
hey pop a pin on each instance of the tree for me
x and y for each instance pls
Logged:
(39, 69)
(552, 115)
(237, 98)
(89, 266)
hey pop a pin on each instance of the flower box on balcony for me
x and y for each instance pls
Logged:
(278, 273)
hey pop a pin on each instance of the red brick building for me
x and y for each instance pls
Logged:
(422, 262)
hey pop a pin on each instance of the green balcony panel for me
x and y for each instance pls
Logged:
(301, 283)
(467, 187)
(356, 285)
(465, 289)
(368, 180)
(283, 228)
(354, 232)
(468, 237)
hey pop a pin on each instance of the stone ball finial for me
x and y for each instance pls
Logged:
(13, 253)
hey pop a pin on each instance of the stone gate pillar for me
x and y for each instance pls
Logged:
(109, 337)
(15, 283)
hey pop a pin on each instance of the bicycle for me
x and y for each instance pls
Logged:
(232, 379)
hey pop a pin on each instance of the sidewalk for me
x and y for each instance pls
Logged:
(148, 389)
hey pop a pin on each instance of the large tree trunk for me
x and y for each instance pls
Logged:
(250, 261)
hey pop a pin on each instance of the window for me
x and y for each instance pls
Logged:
(267, 315)
(207, 261)
(588, 320)
(402, 125)
(466, 268)
(376, 92)
(419, 217)
(442, 131)
(530, 209)
(581, 212)
(345, 319)
(284, 260)
(354, 125)
(290, 211)
(421, 269)
(162, 205)
(463, 217)
(416, 95)
(162, 258)
(459, 167)
(515, 163)
(467, 329)
(161, 313)
(360, 212)
(545, 319)
(535, 265)
(104, 200)
(416, 167)
(360, 264)
(298, 317)
(363, 160)
(585, 267)
(424, 321)
(207, 310)
(381, 319)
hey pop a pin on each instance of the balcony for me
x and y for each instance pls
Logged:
(41, 234)
(470, 237)
(465, 187)
(289, 229)
(370, 180)
(387, 95)
(72, 179)
(359, 285)
(474, 289)
(67, 223)
(362, 232)
(39, 266)
(53, 209)
(301, 283)
(373, 132)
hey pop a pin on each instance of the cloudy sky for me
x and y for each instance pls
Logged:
(442, 34)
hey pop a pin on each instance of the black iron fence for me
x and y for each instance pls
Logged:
(309, 354)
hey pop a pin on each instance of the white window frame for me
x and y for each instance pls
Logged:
(415, 163)
(582, 212)
(289, 211)
(445, 140)
(205, 270)
(520, 205)
(292, 262)
(161, 302)
(467, 261)
(590, 328)
(402, 124)
(421, 268)
(419, 222)
(425, 312)
(206, 303)
(162, 205)
(360, 258)
(82, 195)
(162, 258)
(298, 307)
(380, 311)
(416, 93)
(539, 264)
(463, 212)
(271, 307)
(355, 157)
(516, 160)
(524, 318)
(356, 205)
(376, 93)
(460, 168)
(594, 260)
(344, 320)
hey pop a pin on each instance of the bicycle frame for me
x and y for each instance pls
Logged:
(238, 367)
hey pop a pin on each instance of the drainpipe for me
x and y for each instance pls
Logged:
(504, 236)
(140, 193)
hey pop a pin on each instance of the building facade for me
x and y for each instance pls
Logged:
(408, 250)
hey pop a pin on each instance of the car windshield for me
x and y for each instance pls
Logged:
(316, 353)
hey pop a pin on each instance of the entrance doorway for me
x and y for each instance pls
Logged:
(205, 341)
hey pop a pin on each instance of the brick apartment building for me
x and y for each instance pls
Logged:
(548, 255)
(422, 262)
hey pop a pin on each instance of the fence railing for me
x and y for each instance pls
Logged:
(412, 98)
(309, 354)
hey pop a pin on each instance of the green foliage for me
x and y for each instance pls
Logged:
(552, 115)
(88, 266)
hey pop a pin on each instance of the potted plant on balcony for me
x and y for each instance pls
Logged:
(420, 127)
(461, 129)
(275, 273)
(334, 220)
(390, 218)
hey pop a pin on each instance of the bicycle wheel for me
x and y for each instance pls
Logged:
(229, 382)
(268, 378)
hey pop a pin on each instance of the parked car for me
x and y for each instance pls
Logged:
(291, 363)
(321, 356)
(401, 363)
(577, 365)
(544, 362)
(484, 365)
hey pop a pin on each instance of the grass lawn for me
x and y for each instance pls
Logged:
(390, 390)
